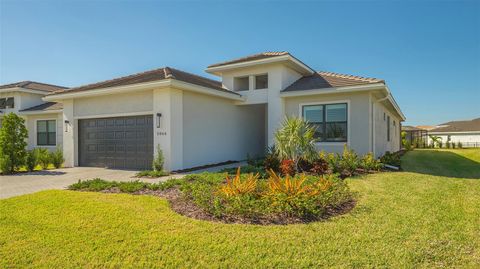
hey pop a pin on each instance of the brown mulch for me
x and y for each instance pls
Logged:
(185, 207)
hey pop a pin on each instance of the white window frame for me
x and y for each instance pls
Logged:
(255, 81)
(36, 134)
(333, 102)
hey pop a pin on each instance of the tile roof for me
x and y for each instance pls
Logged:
(459, 126)
(45, 107)
(32, 85)
(155, 75)
(321, 80)
(253, 57)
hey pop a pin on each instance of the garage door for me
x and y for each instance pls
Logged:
(120, 143)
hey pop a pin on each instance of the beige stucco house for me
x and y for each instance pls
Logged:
(198, 121)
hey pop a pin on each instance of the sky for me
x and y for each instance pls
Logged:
(428, 52)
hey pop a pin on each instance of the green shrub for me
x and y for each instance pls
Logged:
(132, 186)
(248, 169)
(159, 160)
(453, 145)
(152, 174)
(272, 160)
(56, 157)
(369, 163)
(391, 159)
(31, 160)
(447, 144)
(459, 145)
(44, 158)
(93, 185)
(13, 135)
(349, 161)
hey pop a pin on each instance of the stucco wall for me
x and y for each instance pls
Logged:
(381, 143)
(216, 130)
(358, 119)
(109, 105)
(30, 123)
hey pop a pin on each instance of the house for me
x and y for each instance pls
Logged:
(196, 121)
(466, 132)
(42, 119)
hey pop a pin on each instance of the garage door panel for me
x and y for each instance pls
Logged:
(123, 142)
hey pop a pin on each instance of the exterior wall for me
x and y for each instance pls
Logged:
(22, 100)
(31, 124)
(467, 137)
(279, 77)
(109, 105)
(215, 130)
(358, 117)
(380, 127)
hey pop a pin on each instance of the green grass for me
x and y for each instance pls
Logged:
(424, 217)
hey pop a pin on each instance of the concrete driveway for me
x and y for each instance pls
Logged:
(24, 183)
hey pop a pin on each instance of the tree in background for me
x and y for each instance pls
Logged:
(13, 135)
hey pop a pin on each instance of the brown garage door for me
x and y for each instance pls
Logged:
(121, 143)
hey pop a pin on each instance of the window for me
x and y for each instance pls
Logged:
(3, 103)
(388, 128)
(330, 121)
(46, 133)
(241, 84)
(261, 82)
(10, 102)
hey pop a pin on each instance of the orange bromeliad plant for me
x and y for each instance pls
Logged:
(237, 186)
(288, 186)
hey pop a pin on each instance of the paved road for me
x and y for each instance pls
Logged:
(24, 183)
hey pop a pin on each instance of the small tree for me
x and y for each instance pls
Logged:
(295, 140)
(435, 140)
(159, 160)
(13, 135)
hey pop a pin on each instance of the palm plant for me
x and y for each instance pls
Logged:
(435, 140)
(295, 140)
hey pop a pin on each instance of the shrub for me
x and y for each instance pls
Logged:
(44, 158)
(369, 163)
(13, 135)
(349, 161)
(93, 185)
(391, 159)
(237, 186)
(440, 144)
(447, 144)
(272, 160)
(247, 170)
(56, 157)
(319, 167)
(132, 186)
(159, 160)
(287, 167)
(31, 160)
(152, 174)
(459, 145)
(453, 145)
(295, 140)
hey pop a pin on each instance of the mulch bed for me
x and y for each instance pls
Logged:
(187, 208)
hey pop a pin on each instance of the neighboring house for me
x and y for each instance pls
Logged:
(197, 121)
(467, 132)
(42, 119)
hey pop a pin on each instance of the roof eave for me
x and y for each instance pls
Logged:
(40, 112)
(142, 86)
(296, 64)
(20, 89)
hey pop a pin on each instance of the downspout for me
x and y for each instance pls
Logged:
(373, 121)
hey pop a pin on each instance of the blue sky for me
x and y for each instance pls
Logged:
(428, 52)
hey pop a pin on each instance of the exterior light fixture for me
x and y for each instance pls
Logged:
(66, 125)
(159, 117)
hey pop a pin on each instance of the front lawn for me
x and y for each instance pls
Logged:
(426, 216)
